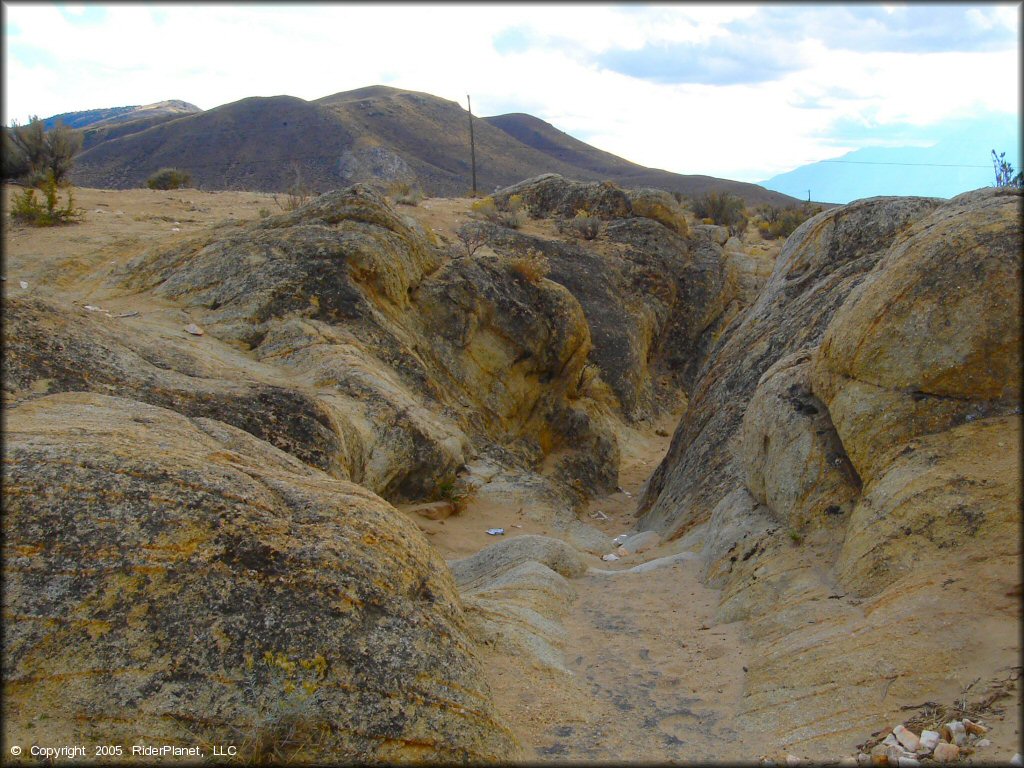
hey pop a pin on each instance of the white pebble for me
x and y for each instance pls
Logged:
(929, 739)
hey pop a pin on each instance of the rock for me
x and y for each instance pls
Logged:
(518, 610)
(1017, 759)
(976, 728)
(623, 552)
(793, 760)
(983, 744)
(659, 205)
(194, 329)
(487, 563)
(203, 579)
(610, 557)
(918, 349)
(552, 195)
(793, 460)
(946, 753)
(434, 510)
(907, 762)
(819, 266)
(907, 738)
(863, 759)
(641, 542)
(929, 739)
(958, 734)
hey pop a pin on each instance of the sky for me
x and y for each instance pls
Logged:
(729, 90)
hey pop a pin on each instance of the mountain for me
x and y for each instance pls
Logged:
(960, 160)
(376, 133)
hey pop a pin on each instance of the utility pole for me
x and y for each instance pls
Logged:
(808, 195)
(472, 144)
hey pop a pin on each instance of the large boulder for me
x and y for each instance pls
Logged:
(649, 297)
(932, 338)
(818, 267)
(222, 592)
(552, 195)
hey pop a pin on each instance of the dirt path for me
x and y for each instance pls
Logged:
(651, 676)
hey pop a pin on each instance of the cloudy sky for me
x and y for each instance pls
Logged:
(737, 91)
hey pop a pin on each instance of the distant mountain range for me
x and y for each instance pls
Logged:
(960, 160)
(376, 133)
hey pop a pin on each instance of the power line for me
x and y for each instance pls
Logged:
(923, 165)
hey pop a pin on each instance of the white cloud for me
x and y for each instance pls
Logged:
(214, 54)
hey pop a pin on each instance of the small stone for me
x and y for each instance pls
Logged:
(929, 739)
(863, 758)
(946, 753)
(793, 760)
(906, 737)
(194, 329)
(974, 728)
(434, 510)
(622, 552)
(958, 734)
(907, 762)
(611, 556)
(1017, 760)
(983, 744)
(23, 284)
(880, 758)
(890, 741)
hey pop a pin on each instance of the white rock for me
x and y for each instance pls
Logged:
(23, 284)
(1017, 760)
(194, 329)
(929, 739)
(983, 744)
(959, 732)
(906, 737)
(793, 760)
(609, 557)
(863, 758)
(890, 741)
(907, 762)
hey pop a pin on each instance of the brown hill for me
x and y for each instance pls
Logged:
(369, 134)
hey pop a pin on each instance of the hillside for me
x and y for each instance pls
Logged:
(369, 134)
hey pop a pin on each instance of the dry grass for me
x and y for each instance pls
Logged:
(533, 266)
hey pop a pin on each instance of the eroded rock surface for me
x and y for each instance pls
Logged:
(852, 444)
(222, 591)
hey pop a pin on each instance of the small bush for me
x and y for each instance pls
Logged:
(782, 222)
(28, 210)
(485, 208)
(169, 178)
(263, 212)
(585, 225)
(457, 495)
(533, 266)
(723, 209)
(404, 193)
(1004, 172)
(471, 236)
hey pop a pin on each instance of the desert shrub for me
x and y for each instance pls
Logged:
(533, 266)
(585, 225)
(722, 208)
(169, 178)
(46, 213)
(514, 214)
(404, 193)
(283, 698)
(472, 236)
(782, 222)
(484, 208)
(34, 155)
(1004, 172)
(455, 494)
(263, 212)
(298, 192)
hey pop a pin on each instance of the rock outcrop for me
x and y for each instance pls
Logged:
(222, 592)
(849, 460)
